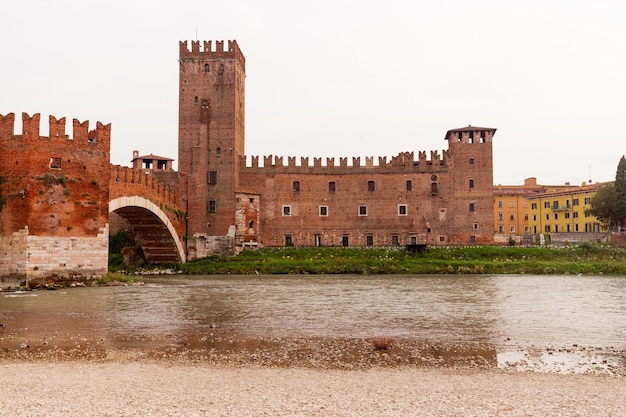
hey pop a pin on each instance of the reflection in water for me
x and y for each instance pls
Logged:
(516, 314)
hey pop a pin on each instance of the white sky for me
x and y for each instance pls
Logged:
(339, 78)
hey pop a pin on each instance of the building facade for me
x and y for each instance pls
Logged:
(438, 198)
(560, 214)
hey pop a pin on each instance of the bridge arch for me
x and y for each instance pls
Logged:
(153, 230)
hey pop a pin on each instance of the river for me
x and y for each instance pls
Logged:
(540, 323)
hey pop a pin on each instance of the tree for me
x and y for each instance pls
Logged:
(603, 206)
(608, 205)
(620, 193)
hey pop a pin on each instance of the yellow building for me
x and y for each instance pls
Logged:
(560, 214)
(510, 211)
(510, 208)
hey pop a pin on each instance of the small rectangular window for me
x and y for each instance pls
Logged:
(512, 216)
(500, 216)
(211, 206)
(323, 210)
(401, 209)
(533, 206)
(55, 163)
(409, 185)
(472, 239)
(546, 204)
(362, 210)
(475, 226)
(286, 210)
(395, 240)
(371, 186)
(296, 186)
(288, 240)
(212, 177)
(499, 203)
(471, 183)
(345, 240)
(331, 186)
(472, 207)
(575, 202)
(512, 228)
(369, 240)
(442, 238)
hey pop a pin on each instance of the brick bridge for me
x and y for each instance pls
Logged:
(154, 212)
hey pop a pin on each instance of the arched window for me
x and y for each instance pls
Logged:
(195, 100)
(218, 151)
(206, 68)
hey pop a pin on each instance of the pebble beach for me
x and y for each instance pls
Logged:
(78, 388)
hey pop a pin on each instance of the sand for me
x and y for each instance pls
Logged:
(80, 388)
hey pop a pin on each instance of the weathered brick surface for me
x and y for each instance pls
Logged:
(128, 182)
(211, 129)
(57, 189)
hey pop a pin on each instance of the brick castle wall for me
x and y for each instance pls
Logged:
(56, 188)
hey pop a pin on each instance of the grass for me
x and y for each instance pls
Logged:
(582, 259)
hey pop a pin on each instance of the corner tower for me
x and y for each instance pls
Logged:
(211, 132)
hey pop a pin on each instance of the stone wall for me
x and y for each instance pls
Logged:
(202, 245)
(39, 259)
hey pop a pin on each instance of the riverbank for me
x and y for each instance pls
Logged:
(150, 389)
(585, 258)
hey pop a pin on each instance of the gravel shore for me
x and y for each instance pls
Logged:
(79, 388)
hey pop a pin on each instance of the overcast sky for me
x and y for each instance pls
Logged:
(339, 78)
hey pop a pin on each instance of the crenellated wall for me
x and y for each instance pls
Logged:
(435, 198)
(54, 187)
(128, 182)
(402, 163)
(210, 51)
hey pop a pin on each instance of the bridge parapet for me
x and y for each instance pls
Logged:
(128, 182)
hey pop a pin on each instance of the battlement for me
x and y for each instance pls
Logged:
(208, 51)
(100, 137)
(470, 134)
(403, 162)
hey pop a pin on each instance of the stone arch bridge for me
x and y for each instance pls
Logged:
(153, 211)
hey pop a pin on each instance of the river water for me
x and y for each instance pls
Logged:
(545, 323)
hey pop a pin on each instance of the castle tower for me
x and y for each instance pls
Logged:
(471, 154)
(211, 132)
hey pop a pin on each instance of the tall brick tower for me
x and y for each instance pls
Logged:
(211, 132)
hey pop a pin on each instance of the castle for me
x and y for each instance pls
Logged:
(436, 199)
(57, 192)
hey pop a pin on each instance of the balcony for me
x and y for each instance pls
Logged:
(561, 208)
